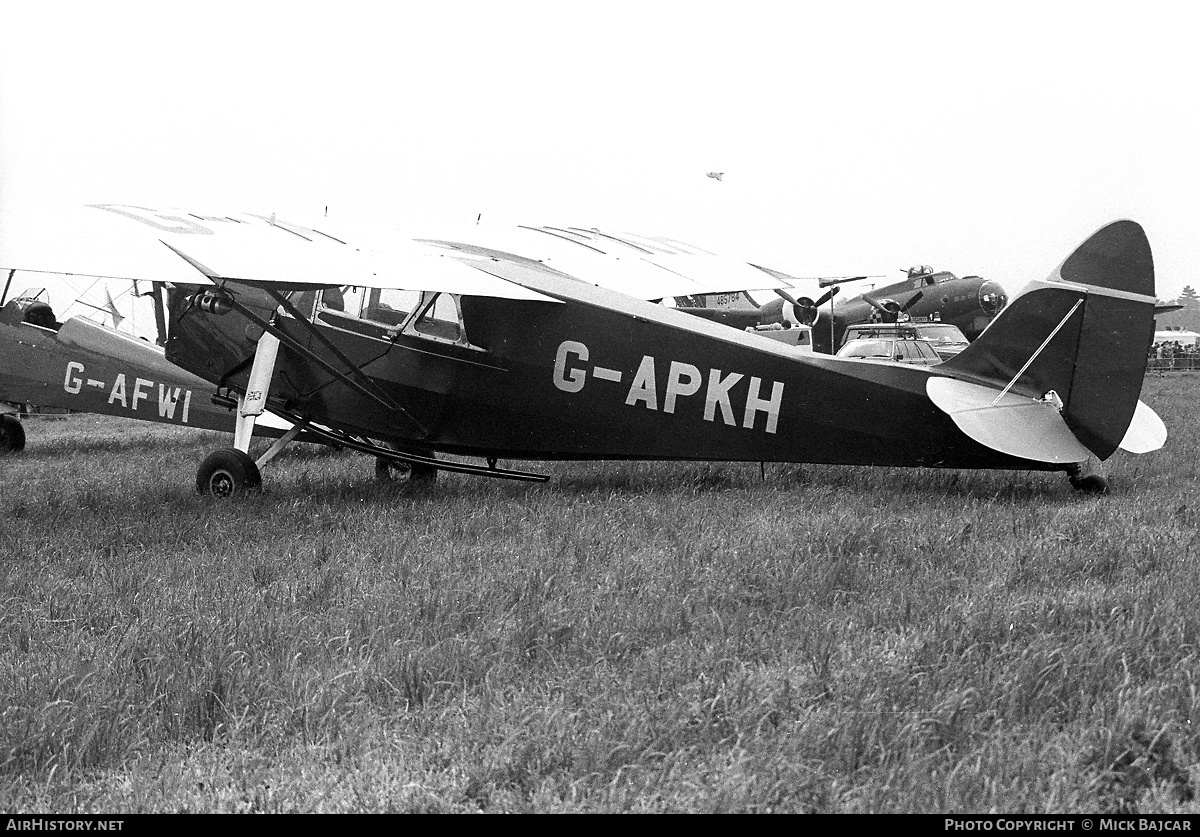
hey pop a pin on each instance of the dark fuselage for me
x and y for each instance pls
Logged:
(86, 367)
(599, 376)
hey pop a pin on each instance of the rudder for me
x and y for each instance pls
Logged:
(1084, 333)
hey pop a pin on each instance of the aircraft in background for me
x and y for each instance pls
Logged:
(83, 366)
(452, 346)
(969, 302)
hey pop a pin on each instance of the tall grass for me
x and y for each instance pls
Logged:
(628, 637)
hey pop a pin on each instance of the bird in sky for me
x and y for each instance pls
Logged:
(716, 175)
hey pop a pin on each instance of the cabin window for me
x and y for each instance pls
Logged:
(390, 306)
(441, 319)
(347, 300)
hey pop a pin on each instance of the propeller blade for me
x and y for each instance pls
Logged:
(874, 304)
(915, 299)
(804, 309)
(788, 297)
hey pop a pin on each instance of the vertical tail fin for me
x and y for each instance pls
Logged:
(1084, 333)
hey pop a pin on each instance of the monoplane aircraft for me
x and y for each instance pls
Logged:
(451, 346)
(83, 366)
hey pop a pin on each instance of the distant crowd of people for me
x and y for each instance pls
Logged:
(1172, 354)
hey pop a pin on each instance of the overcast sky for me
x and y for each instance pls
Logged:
(853, 137)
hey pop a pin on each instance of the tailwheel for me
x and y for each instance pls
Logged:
(12, 435)
(1091, 484)
(224, 473)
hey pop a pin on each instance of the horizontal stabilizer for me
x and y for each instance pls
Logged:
(1083, 333)
(1012, 424)
(1146, 432)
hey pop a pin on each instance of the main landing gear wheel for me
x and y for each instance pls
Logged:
(385, 469)
(224, 473)
(424, 474)
(12, 435)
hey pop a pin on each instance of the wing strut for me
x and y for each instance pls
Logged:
(357, 373)
(354, 377)
(1040, 349)
(7, 285)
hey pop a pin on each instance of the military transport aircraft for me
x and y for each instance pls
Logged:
(456, 347)
(968, 302)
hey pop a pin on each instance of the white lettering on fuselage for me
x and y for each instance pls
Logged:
(143, 389)
(683, 380)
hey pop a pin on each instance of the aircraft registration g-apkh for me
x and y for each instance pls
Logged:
(540, 344)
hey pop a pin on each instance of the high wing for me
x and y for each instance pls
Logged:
(139, 243)
(640, 266)
(136, 243)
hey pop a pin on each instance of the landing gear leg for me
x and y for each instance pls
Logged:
(225, 473)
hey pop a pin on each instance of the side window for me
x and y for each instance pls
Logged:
(346, 300)
(390, 306)
(927, 351)
(440, 319)
(303, 302)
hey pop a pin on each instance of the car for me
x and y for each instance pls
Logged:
(891, 348)
(798, 337)
(947, 340)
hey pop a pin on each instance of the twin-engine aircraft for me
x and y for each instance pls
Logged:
(485, 349)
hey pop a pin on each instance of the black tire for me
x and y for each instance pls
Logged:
(226, 473)
(386, 469)
(1091, 484)
(12, 435)
(423, 474)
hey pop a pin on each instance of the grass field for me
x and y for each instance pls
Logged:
(628, 637)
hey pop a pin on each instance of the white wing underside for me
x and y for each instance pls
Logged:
(127, 242)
